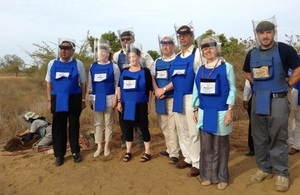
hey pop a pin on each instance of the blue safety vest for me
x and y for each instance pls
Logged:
(65, 81)
(182, 76)
(133, 91)
(273, 80)
(163, 78)
(103, 83)
(215, 80)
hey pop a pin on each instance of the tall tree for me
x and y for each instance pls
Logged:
(12, 64)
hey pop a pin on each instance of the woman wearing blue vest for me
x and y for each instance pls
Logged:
(213, 99)
(134, 101)
(103, 79)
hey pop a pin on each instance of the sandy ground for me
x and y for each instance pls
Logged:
(34, 172)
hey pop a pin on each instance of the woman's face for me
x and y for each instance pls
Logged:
(210, 53)
(133, 59)
(103, 55)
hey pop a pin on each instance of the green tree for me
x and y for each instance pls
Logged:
(12, 64)
(154, 54)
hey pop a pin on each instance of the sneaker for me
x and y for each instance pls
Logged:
(222, 185)
(259, 176)
(97, 153)
(164, 154)
(106, 151)
(173, 160)
(206, 183)
(77, 157)
(59, 161)
(282, 184)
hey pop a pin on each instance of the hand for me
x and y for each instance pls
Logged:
(159, 93)
(228, 117)
(195, 116)
(83, 105)
(119, 107)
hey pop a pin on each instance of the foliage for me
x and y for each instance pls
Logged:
(12, 64)
(153, 54)
(294, 41)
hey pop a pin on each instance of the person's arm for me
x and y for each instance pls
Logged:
(295, 77)
(246, 94)
(49, 89)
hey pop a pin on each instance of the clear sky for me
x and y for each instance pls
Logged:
(25, 22)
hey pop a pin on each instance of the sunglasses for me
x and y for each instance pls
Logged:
(210, 44)
(125, 39)
(166, 42)
(65, 47)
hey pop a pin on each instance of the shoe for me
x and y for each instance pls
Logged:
(127, 157)
(164, 154)
(173, 160)
(59, 161)
(140, 144)
(77, 157)
(146, 157)
(206, 183)
(183, 165)
(97, 153)
(259, 176)
(250, 153)
(293, 151)
(222, 185)
(282, 184)
(123, 145)
(106, 151)
(193, 172)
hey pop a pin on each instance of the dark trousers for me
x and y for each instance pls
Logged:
(140, 124)
(138, 132)
(64, 124)
(250, 138)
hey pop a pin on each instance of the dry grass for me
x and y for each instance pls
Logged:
(22, 94)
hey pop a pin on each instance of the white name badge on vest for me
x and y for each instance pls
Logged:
(59, 75)
(179, 72)
(208, 87)
(162, 74)
(129, 84)
(100, 77)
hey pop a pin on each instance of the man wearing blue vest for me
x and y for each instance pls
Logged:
(164, 98)
(182, 76)
(127, 37)
(66, 90)
(266, 67)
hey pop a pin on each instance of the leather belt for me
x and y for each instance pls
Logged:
(278, 95)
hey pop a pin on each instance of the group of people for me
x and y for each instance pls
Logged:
(194, 93)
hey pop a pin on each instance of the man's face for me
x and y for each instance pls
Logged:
(186, 39)
(266, 38)
(126, 40)
(66, 51)
(167, 47)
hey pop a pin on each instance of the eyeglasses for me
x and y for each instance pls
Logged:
(208, 45)
(125, 39)
(166, 42)
(65, 47)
